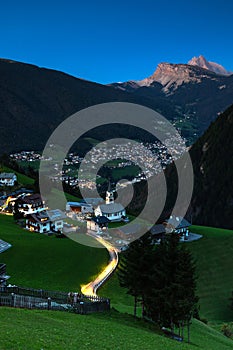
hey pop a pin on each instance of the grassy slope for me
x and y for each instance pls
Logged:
(213, 254)
(29, 330)
(22, 179)
(40, 261)
(56, 193)
(63, 264)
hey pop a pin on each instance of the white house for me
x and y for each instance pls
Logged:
(8, 179)
(46, 221)
(178, 225)
(30, 204)
(38, 222)
(113, 211)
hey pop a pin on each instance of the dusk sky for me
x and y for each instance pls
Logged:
(107, 41)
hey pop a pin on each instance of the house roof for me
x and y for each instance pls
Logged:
(39, 217)
(92, 201)
(101, 219)
(56, 214)
(174, 221)
(78, 204)
(33, 198)
(7, 175)
(130, 229)
(49, 215)
(111, 208)
(157, 229)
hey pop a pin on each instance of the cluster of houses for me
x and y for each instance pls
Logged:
(97, 214)
(33, 208)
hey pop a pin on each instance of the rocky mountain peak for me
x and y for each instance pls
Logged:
(202, 62)
(171, 75)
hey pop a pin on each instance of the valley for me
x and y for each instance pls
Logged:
(196, 98)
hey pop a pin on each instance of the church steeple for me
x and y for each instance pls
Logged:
(109, 195)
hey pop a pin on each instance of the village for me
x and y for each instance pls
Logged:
(107, 218)
(154, 156)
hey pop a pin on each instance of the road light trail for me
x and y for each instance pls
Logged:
(90, 289)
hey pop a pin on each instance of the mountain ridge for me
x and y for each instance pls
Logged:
(212, 154)
(202, 62)
(197, 94)
(34, 101)
(170, 74)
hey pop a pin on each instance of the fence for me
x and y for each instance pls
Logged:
(51, 300)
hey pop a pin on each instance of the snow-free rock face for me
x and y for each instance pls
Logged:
(170, 76)
(193, 94)
(212, 66)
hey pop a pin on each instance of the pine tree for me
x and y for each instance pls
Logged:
(163, 278)
(172, 301)
(189, 299)
(134, 268)
(162, 302)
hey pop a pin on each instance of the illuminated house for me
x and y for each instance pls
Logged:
(30, 204)
(46, 221)
(8, 179)
(38, 222)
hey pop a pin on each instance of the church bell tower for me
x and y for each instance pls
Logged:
(109, 195)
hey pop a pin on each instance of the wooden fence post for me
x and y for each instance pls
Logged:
(49, 303)
(12, 300)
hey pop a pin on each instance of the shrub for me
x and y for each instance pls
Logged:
(227, 329)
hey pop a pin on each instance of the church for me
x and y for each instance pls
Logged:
(111, 210)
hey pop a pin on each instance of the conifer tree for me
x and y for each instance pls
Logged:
(135, 267)
(172, 300)
(163, 278)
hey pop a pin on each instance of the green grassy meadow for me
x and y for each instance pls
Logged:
(40, 261)
(214, 258)
(36, 330)
(22, 179)
(213, 254)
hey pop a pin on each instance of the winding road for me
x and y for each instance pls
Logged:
(90, 289)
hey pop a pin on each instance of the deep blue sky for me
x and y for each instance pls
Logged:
(108, 41)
